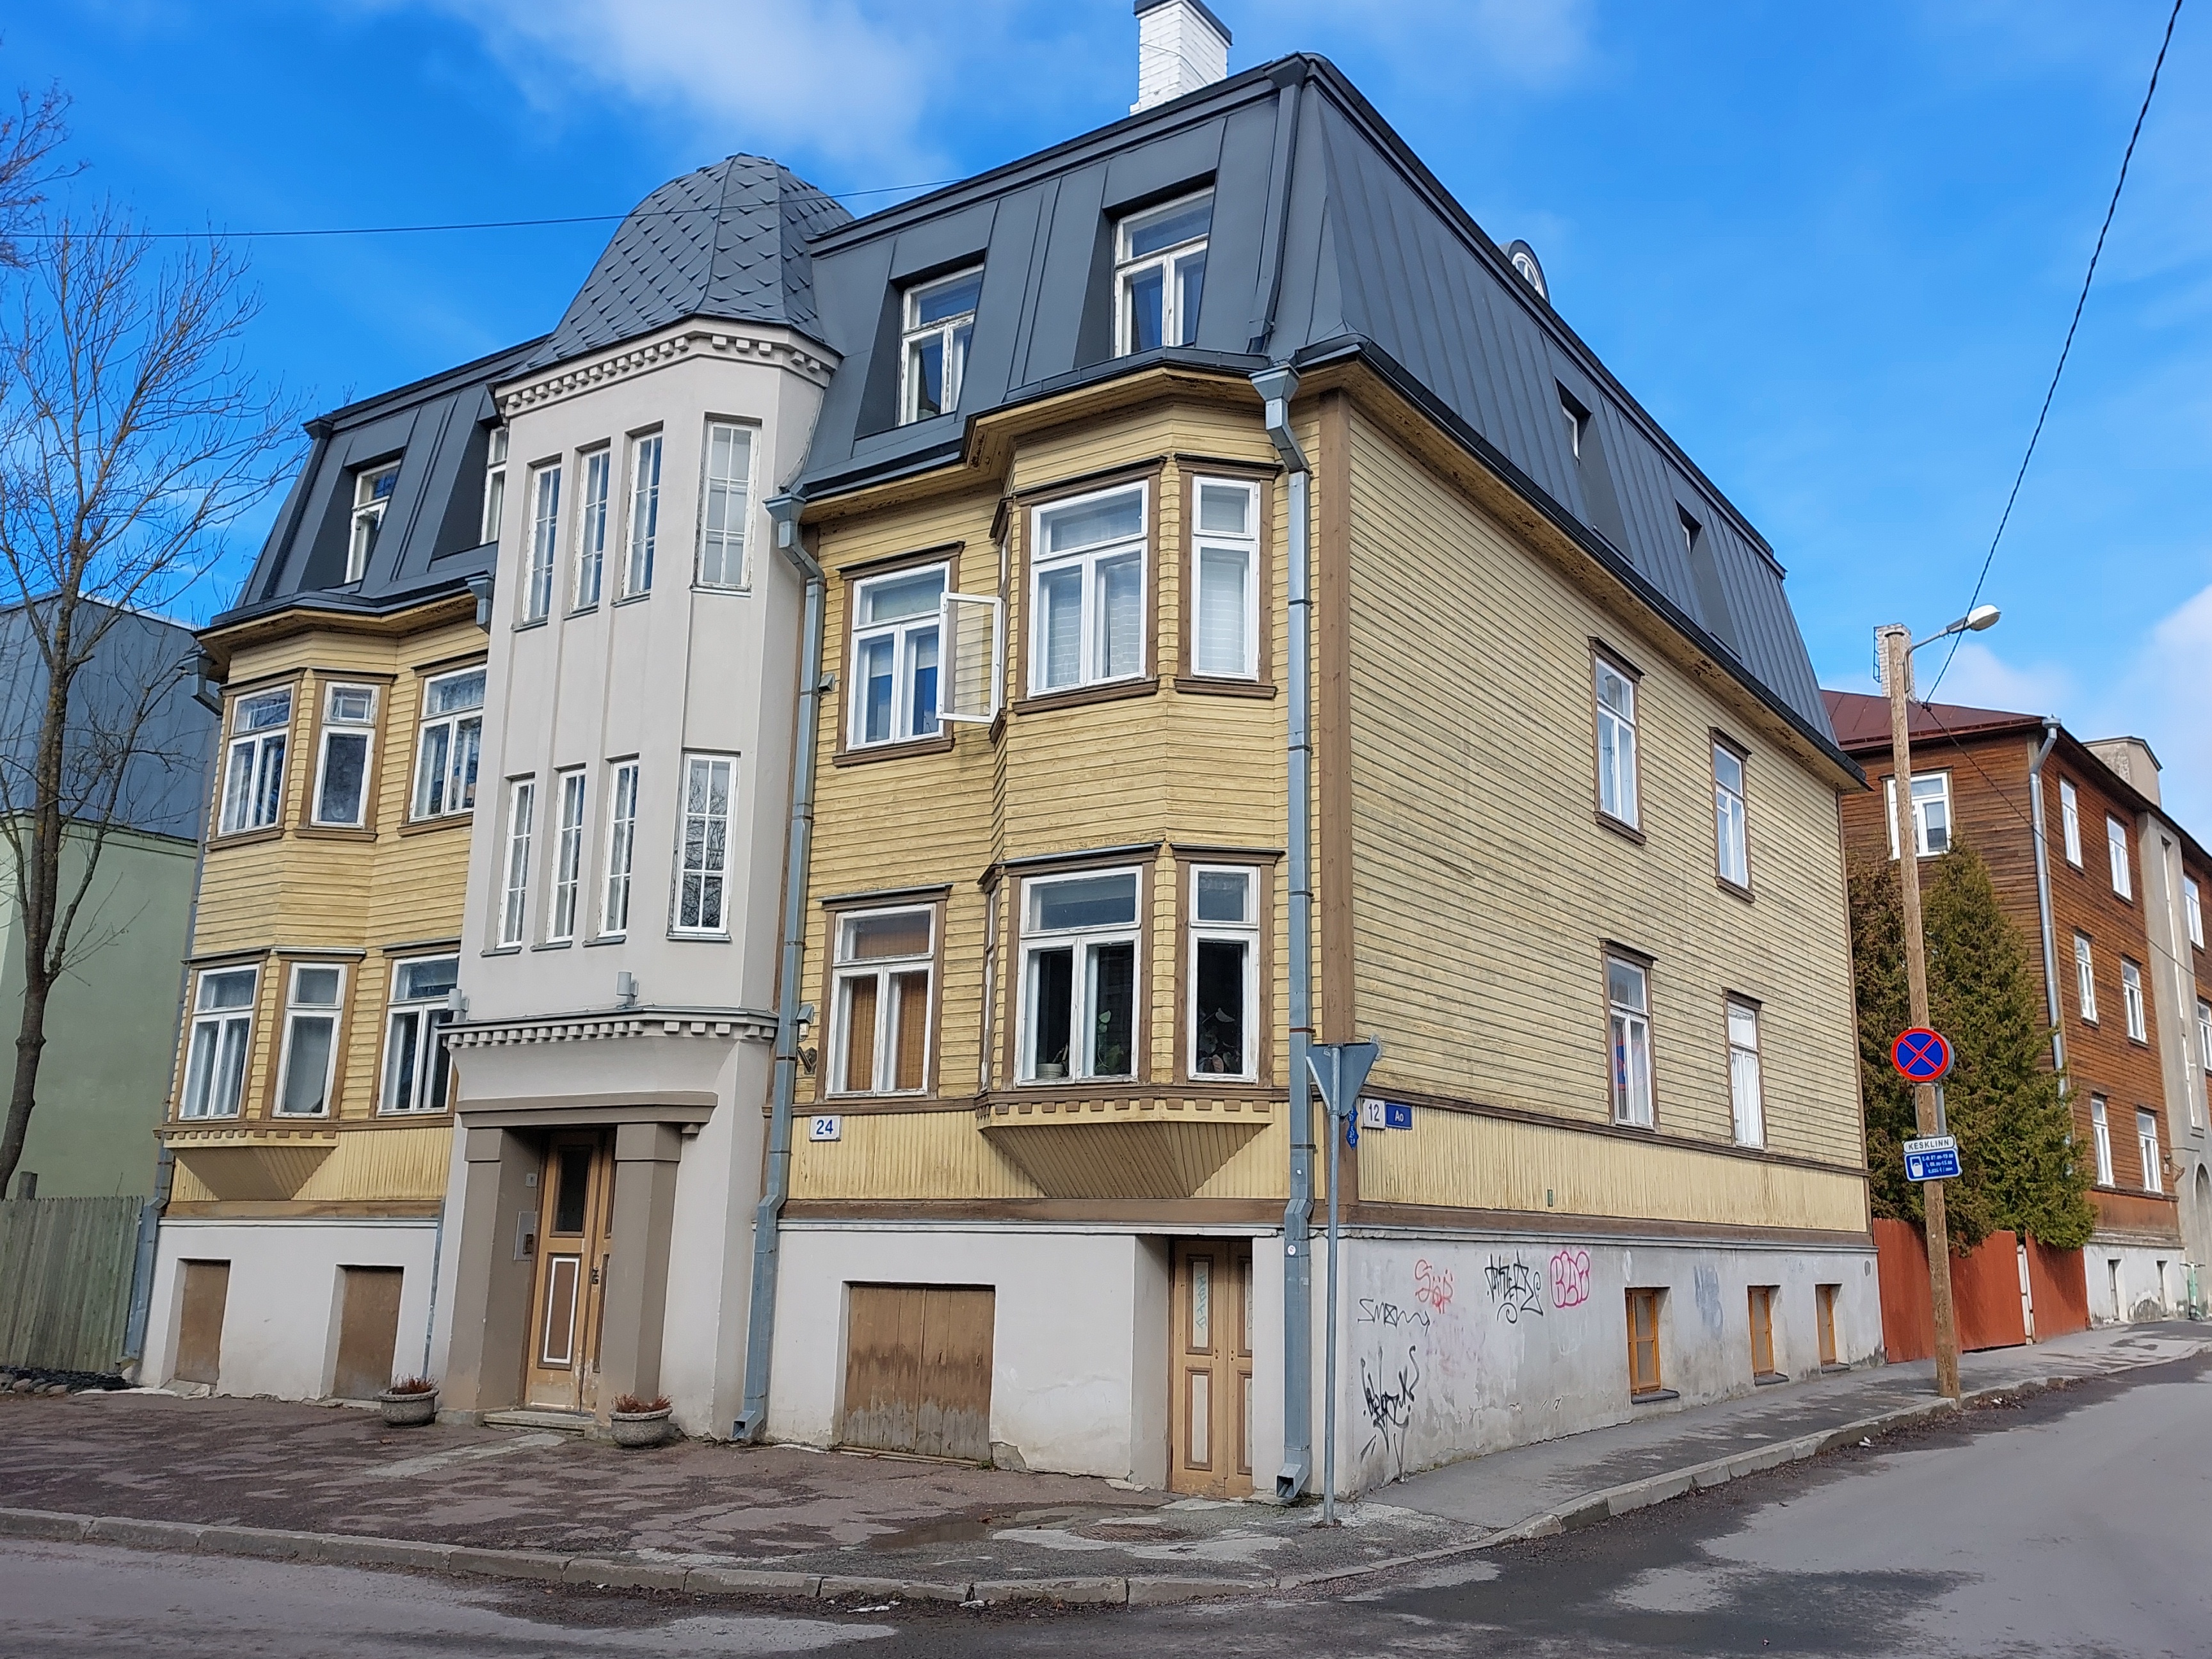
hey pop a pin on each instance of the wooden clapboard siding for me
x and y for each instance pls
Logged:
(1482, 887)
(275, 899)
(907, 1155)
(1461, 1160)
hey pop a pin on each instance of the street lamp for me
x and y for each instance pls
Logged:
(1895, 646)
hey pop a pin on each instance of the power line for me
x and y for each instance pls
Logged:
(476, 224)
(2051, 392)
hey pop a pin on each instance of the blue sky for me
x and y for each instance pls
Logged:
(1833, 250)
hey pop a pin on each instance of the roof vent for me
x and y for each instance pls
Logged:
(1181, 46)
(1523, 259)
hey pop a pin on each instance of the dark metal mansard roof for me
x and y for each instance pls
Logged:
(1330, 239)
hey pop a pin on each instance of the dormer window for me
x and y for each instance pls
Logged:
(940, 320)
(371, 494)
(1159, 273)
(494, 500)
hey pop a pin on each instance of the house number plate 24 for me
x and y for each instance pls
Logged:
(825, 1128)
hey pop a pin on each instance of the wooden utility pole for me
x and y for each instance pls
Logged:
(1897, 680)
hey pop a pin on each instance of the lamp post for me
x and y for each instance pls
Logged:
(1896, 646)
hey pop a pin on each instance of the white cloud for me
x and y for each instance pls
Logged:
(820, 77)
(1979, 678)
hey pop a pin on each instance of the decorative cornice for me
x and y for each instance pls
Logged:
(690, 341)
(746, 1023)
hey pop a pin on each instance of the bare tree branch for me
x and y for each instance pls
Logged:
(29, 139)
(132, 436)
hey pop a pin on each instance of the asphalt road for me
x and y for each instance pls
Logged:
(2073, 1523)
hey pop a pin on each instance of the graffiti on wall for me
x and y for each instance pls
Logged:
(1387, 1389)
(1515, 1286)
(1432, 1285)
(1570, 1276)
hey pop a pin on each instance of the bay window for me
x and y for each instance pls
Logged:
(880, 1037)
(1087, 591)
(1224, 980)
(222, 1027)
(449, 743)
(1078, 977)
(1226, 634)
(894, 657)
(253, 773)
(417, 1066)
(342, 770)
(311, 1029)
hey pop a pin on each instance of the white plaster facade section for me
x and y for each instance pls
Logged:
(1079, 1364)
(2130, 1284)
(1452, 1346)
(280, 1315)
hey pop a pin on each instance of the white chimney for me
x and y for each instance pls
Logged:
(1181, 46)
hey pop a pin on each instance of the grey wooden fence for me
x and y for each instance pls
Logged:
(65, 1280)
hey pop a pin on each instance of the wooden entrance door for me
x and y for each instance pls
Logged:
(1210, 1367)
(918, 1369)
(575, 1213)
(199, 1323)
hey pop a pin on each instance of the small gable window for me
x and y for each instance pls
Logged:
(939, 321)
(1159, 273)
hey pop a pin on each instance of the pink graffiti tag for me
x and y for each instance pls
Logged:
(1570, 1270)
(1432, 1285)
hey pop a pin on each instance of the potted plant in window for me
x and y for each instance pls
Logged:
(638, 1422)
(408, 1403)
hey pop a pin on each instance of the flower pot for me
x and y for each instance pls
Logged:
(407, 1411)
(640, 1428)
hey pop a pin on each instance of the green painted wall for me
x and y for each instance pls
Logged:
(110, 1024)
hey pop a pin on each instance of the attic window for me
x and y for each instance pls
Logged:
(939, 321)
(1691, 531)
(371, 494)
(1159, 273)
(1578, 419)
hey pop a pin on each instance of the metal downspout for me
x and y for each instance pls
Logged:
(2043, 898)
(1278, 386)
(760, 1323)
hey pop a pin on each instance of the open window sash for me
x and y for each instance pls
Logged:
(973, 683)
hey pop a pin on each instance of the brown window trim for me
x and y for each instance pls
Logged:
(851, 575)
(1144, 858)
(1620, 827)
(443, 821)
(333, 832)
(1019, 569)
(938, 901)
(454, 665)
(1262, 862)
(1190, 469)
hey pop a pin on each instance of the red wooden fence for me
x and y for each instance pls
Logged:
(1985, 1290)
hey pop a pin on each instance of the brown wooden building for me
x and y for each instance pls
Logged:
(2109, 891)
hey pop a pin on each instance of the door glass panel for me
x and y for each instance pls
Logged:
(576, 1182)
(1202, 1302)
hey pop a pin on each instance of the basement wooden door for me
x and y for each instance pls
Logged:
(369, 1331)
(1210, 1369)
(199, 1325)
(575, 1234)
(918, 1369)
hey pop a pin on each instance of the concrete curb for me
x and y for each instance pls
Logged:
(545, 1566)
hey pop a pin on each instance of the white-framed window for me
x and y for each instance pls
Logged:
(222, 1030)
(2192, 910)
(545, 541)
(728, 508)
(2100, 1133)
(311, 1033)
(1087, 581)
(1159, 273)
(1578, 419)
(2154, 1173)
(341, 769)
(2085, 980)
(2116, 847)
(1225, 629)
(1931, 812)
(371, 494)
(703, 875)
(417, 1068)
(1628, 997)
(894, 657)
(2204, 1035)
(592, 526)
(622, 849)
(644, 513)
(449, 744)
(2131, 995)
(2070, 820)
(1079, 976)
(1616, 743)
(939, 321)
(253, 774)
(1731, 818)
(879, 1043)
(1745, 1093)
(568, 858)
(495, 496)
(1224, 972)
(514, 875)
